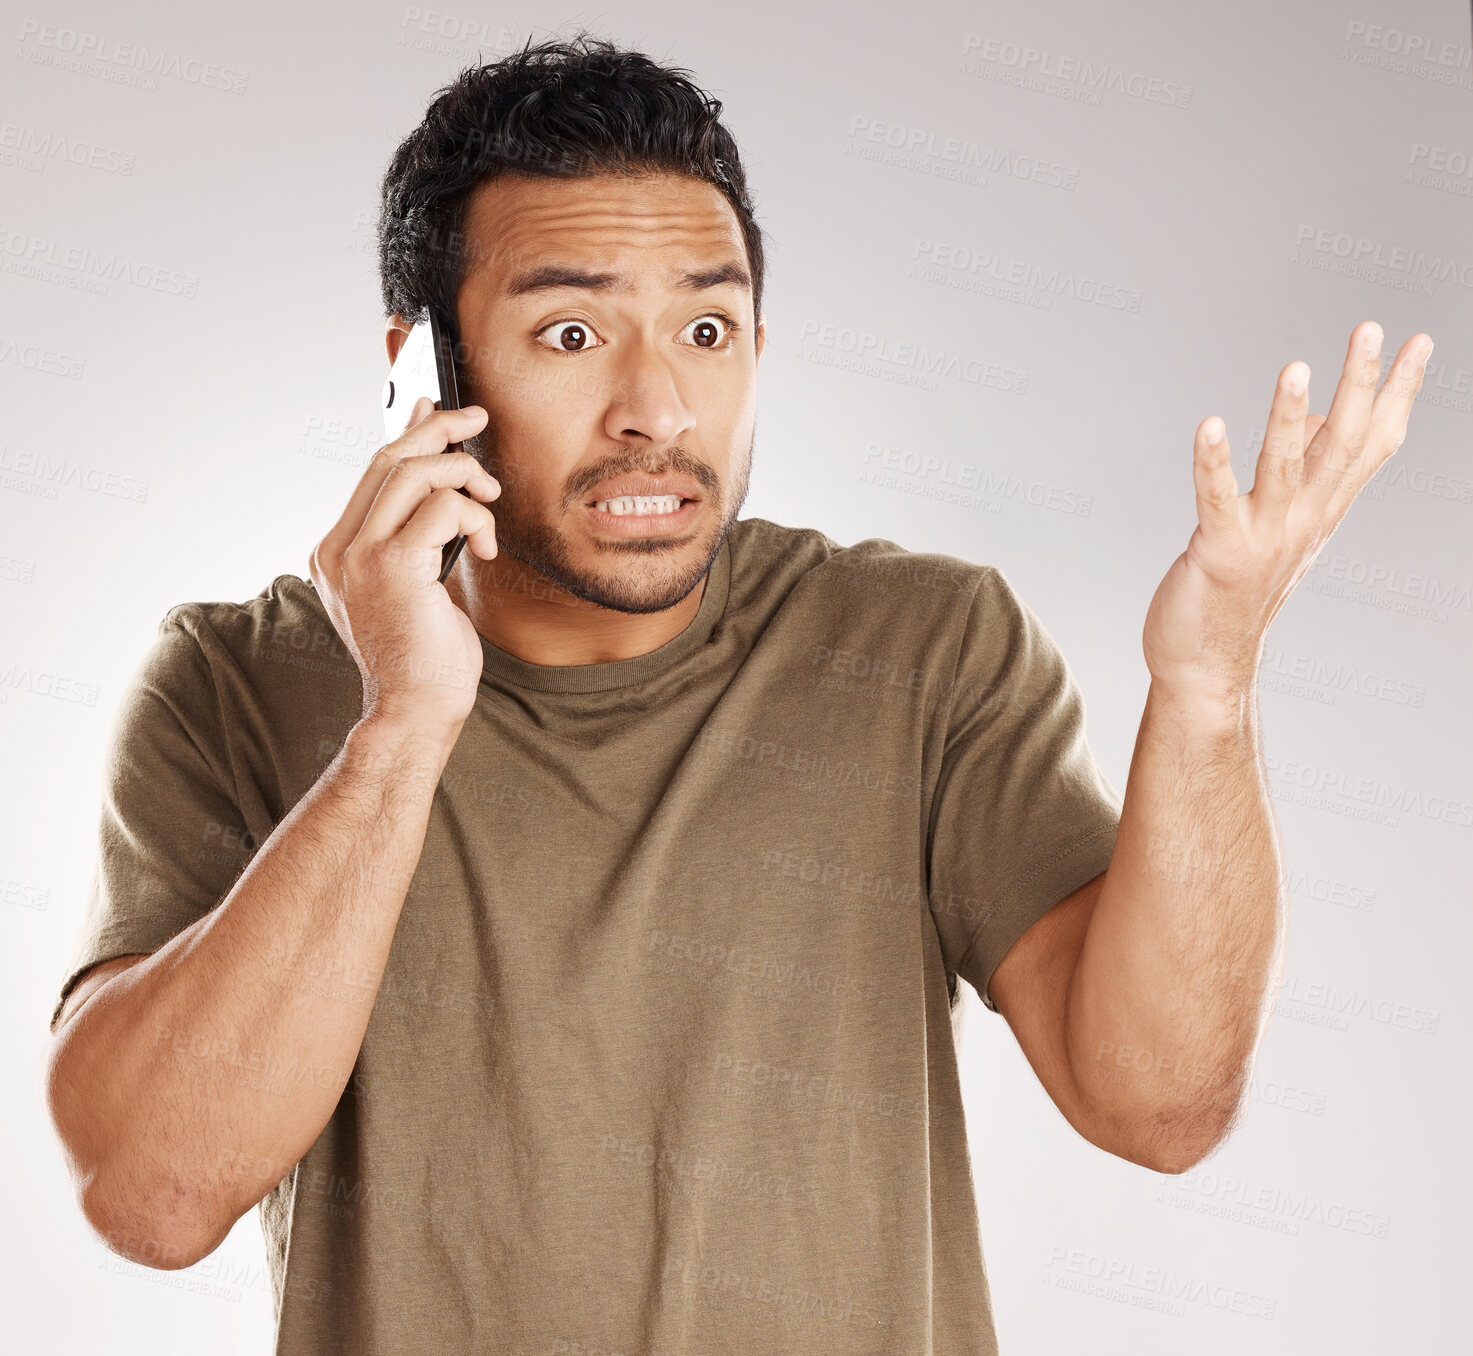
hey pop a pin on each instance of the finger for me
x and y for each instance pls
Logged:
(434, 433)
(1334, 459)
(1212, 475)
(1281, 462)
(439, 518)
(412, 480)
(1393, 405)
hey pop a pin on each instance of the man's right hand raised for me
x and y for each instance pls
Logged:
(377, 572)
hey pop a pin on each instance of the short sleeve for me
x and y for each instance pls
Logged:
(1022, 816)
(171, 839)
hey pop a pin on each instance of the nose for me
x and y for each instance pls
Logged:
(646, 401)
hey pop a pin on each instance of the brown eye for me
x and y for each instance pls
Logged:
(570, 336)
(710, 331)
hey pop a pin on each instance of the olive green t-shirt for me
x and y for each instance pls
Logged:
(663, 1059)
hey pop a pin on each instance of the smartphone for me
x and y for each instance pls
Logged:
(425, 367)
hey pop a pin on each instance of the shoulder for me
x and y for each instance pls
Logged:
(876, 612)
(264, 687)
(283, 628)
(874, 577)
(273, 662)
(286, 598)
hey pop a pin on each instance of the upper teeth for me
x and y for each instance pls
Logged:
(640, 503)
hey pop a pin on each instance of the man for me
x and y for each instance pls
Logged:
(564, 957)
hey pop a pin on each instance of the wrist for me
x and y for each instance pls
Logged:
(1222, 703)
(386, 739)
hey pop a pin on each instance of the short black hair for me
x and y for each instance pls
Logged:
(562, 109)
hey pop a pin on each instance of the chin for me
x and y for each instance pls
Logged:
(650, 574)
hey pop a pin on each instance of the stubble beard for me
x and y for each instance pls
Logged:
(646, 574)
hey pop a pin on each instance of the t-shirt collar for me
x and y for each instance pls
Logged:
(640, 668)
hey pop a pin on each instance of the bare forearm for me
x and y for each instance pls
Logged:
(189, 1084)
(1170, 991)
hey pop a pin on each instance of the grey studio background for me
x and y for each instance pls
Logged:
(1117, 221)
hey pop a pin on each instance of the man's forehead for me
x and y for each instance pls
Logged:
(527, 231)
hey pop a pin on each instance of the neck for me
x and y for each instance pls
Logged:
(527, 615)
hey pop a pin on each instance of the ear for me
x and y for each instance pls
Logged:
(761, 334)
(396, 331)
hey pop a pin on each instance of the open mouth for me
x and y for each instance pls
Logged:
(641, 505)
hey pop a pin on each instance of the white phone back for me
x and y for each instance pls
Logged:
(412, 375)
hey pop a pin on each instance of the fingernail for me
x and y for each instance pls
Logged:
(1373, 342)
(1298, 380)
(1426, 351)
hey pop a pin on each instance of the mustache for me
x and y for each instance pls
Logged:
(632, 460)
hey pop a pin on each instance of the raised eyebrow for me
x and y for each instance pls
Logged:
(729, 272)
(551, 277)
